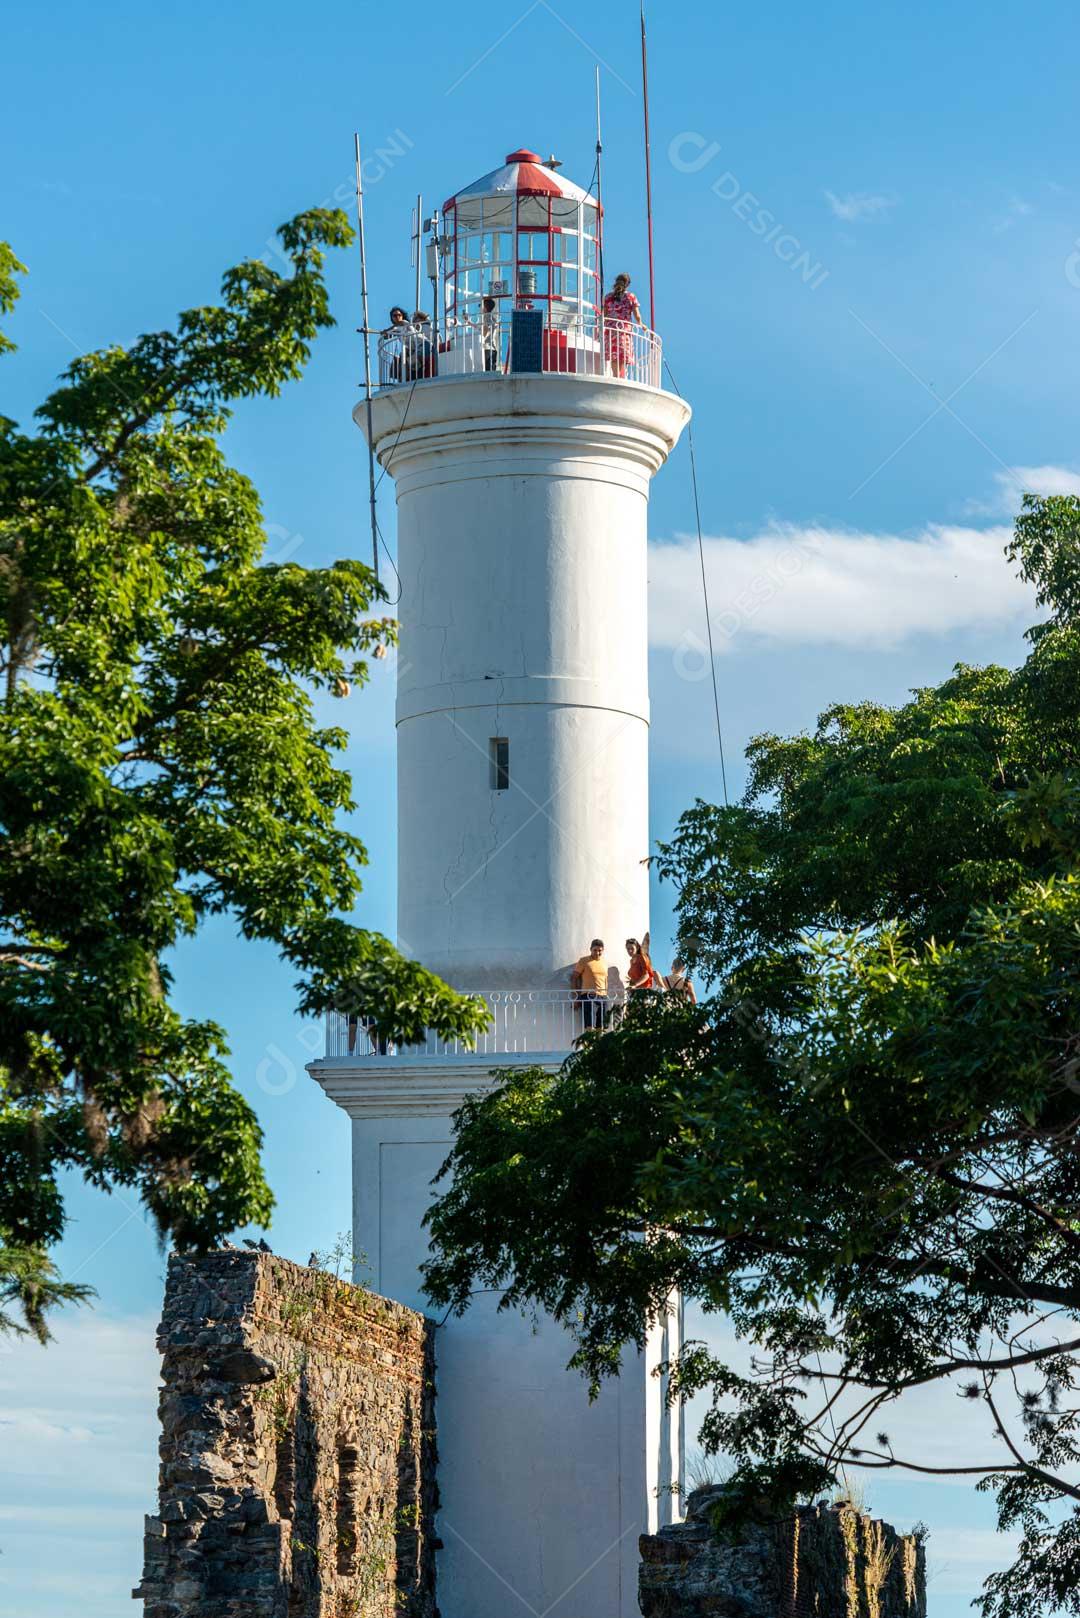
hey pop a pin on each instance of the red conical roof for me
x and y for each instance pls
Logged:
(522, 174)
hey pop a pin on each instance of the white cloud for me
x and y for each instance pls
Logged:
(1017, 481)
(78, 1464)
(855, 205)
(1044, 480)
(797, 585)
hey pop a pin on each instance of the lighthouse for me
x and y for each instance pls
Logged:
(521, 426)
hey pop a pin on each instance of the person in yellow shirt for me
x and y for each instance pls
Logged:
(590, 978)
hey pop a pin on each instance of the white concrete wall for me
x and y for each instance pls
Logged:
(512, 886)
(522, 506)
(543, 1495)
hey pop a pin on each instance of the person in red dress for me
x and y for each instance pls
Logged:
(621, 314)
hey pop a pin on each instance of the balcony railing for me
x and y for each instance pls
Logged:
(571, 346)
(519, 1021)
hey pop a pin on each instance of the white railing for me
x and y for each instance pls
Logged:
(572, 345)
(519, 1021)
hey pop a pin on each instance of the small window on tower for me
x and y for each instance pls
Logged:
(500, 763)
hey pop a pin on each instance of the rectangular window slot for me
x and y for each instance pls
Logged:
(499, 754)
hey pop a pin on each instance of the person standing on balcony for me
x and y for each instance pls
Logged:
(679, 981)
(489, 334)
(639, 974)
(590, 979)
(423, 348)
(396, 342)
(376, 1044)
(621, 313)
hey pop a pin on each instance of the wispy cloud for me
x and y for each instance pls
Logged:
(855, 205)
(1018, 208)
(795, 585)
(1011, 486)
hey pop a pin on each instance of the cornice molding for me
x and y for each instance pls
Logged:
(397, 1087)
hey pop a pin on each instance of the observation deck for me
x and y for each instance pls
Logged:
(573, 342)
(516, 264)
(526, 1027)
(521, 1022)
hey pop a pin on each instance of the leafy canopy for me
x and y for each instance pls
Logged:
(160, 762)
(864, 1147)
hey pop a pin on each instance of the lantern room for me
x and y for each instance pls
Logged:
(526, 237)
(515, 263)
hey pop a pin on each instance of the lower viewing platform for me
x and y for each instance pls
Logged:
(521, 1022)
(374, 1078)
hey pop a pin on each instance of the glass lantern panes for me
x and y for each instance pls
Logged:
(498, 213)
(469, 215)
(533, 244)
(493, 247)
(533, 211)
(532, 280)
(538, 252)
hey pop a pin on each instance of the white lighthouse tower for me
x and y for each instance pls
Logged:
(521, 430)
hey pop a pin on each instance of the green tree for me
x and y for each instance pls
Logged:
(160, 763)
(864, 1147)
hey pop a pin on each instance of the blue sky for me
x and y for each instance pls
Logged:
(861, 432)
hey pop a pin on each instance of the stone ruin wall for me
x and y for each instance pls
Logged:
(297, 1475)
(820, 1562)
(298, 1461)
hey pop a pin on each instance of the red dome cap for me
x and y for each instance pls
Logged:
(523, 174)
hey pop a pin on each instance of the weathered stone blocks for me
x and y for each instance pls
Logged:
(297, 1448)
(820, 1562)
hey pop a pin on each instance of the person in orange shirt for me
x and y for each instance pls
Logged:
(639, 974)
(590, 979)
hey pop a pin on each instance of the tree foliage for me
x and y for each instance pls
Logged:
(864, 1147)
(160, 762)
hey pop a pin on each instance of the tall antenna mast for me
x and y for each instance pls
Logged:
(418, 251)
(367, 356)
(648, 166)
(599, 194)
(432, 255)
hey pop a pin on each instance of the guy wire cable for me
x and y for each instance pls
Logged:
(393, 564)
(704, 587)
(367, 348)
(397, 436)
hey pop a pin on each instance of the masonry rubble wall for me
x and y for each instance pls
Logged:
(297, 1449)
(820, 1562)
